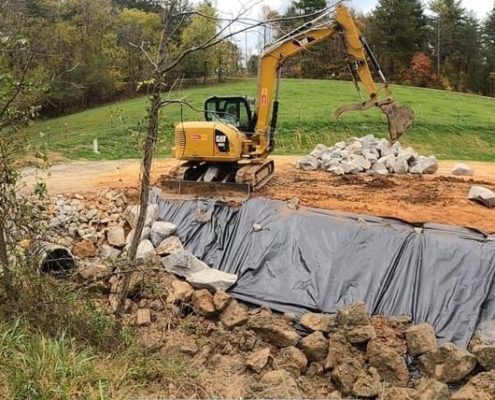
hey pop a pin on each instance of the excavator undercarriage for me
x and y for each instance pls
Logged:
(221, 179)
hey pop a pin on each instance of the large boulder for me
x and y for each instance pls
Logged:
(315, 346)
(462, 170)
(116, 236)
(181, 292)
(196, 272)
(161, 230)
(235, 314)
(424, 165)
(258, 359)
(169, 245)
(272, 329)
(390, 364)
(145, 250)
(482, 195)
(479, 387)
(420, 339)
(292, 359)
(367, 384)
(280, 384)
(353, 315)
(202, 302)
(221, 300)
(449, 363)
(132, 214)
(317, 322)
(485, 354)
(308, 163)
(360, 334)
(431, 389)
(84, 249)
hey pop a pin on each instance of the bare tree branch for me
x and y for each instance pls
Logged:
(18, 86)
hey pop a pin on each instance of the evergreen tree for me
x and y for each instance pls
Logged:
(397, 30)
(488, 41)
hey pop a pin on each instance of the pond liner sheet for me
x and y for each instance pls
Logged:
(319, 260)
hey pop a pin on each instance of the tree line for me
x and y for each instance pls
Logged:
(86, 52)
(435, 44)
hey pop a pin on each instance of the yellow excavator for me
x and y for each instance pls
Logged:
(231, 147)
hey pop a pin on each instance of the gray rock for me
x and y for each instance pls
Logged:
(308, 163)
(212, 279)
(144, 235)
(257, 227)
(132, 213)
(355, 147)
(169, 245)
(196, 272)
(107, 251)
(319, 150)
(360, 161)
(340, 145)
(372, 155)
(483, 195)
(145, 250)
(380, 168)
(462, 170)
(161, 230)
(401, 166)
(424, 165)
(350, 167)
(116, 236)
(338, 170)
(408, 154)
(384, 147)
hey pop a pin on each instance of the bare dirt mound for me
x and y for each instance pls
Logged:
(416, 199)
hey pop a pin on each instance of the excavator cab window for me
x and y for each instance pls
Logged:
(232, 110)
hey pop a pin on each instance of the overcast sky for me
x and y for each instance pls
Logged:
(232, 7)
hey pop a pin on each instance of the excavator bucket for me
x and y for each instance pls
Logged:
(400, 119)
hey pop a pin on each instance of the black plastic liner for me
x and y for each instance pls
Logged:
(318, 260)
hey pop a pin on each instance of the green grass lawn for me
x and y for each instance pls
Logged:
(450, 125)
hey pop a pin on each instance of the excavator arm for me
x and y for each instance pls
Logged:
(310, 34)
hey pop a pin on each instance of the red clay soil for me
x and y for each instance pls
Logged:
(438, 198)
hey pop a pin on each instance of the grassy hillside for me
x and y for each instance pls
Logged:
(450, 125)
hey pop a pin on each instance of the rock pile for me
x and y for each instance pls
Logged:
(347, 355)
(367, 155)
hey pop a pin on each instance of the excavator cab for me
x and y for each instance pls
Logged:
(235, 110)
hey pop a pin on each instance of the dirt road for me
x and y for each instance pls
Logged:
(439, 198)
